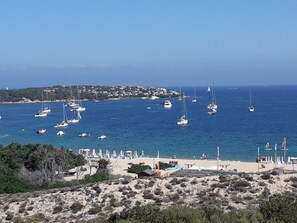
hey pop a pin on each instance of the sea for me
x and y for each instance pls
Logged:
(145, 125)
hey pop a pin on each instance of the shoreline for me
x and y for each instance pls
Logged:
(120, 166)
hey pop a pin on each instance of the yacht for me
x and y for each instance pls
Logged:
(183, 120)
(64, 123)
(40, 114)
(251, 107)
(102, 137)
(213, 107)
(167, 104)
(83, 135)
(76, 118)
(41, 131)
(60, 133)
(194, 100)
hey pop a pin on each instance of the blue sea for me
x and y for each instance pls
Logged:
(130, 125)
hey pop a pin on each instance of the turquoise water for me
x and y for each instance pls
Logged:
(129, 125)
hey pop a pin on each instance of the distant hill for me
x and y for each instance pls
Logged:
(83, 92)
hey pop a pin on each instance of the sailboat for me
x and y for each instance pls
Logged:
(194, 100)
(78, 107)
(42, 113)
(180, 95)
(64, 123)
(251, 107)
(46, 106)
(183, 120)
(76, 118)
(213, 105)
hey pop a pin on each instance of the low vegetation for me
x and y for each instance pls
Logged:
(137, 168)
(34, 166)
(277, 209)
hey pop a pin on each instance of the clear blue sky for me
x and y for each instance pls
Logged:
(144, 42)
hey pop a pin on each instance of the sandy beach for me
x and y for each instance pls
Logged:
(119, 166)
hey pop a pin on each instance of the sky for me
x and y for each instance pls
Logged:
(144, 42)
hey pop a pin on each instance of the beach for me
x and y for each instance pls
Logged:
(119, 166)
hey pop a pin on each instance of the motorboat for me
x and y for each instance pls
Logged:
(41, 131)
(102, 137)
(83, 135)
(60, 133)
(167, 104)
(251, 107)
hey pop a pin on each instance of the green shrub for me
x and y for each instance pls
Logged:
(137, 168)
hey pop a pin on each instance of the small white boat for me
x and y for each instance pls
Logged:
(148, 108)
(184, 118)
(60, 133)
(182, 121)
(41, 131)
(76, 118)
(251, 107)
(153, 97)
(40, 114)
(167, 104)
(194, 100)
(208, 89)
(64, 123)
(83, 135)
(79, 109)
(212, 111)
(213, 107)
(102, 137)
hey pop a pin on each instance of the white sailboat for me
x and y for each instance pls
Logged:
(194, 100)
(251, 107)
(64, 123)
(213, 105)
(180, 95)
(46, 106)
(76, 118)
(42, 113)
(183, 120)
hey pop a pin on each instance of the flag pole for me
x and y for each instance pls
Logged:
(218, 157)
(284, 145)
(275, 155)
(258, 158)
